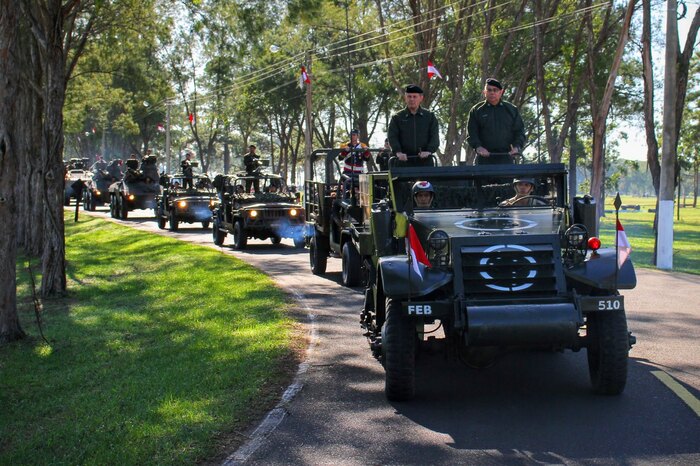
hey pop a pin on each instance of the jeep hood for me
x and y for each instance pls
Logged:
(492, 222)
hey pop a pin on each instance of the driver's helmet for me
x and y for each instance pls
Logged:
(524, 180)
(422, 186)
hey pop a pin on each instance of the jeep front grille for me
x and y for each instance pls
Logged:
(509, 270)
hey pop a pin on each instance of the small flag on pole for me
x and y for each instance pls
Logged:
(623, 245)
(417, 256)
(191, 117)
(303, 78)
(432, 71)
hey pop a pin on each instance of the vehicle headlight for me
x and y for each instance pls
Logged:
(576, 236)
(293, 212)
(212, 202)
(253, 214)
(439, 248)
(131, 197)
(97, 192)
(182, 204)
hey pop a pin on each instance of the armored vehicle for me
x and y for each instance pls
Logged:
(97, 188)
(471, 276)
(136, 190)
(269, 211)
(180, 204)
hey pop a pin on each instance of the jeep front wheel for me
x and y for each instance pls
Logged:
(608, 349)
(399, 352)
(160, 215)
(174, 223)
(351, 265)
(123, 208)
(318, 254)
(217, 234)
(239, 238)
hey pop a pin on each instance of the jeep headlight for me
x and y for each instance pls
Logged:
(439, 248)
(293, 212)
(182, 204)
(253, 214)
(131, 197)
(576, 236)
(97, 192)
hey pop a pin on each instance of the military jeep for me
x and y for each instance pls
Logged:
(97, 189)
(475, 279)
(334, 216)
(178, 203)
(256, 206)
(137, 189)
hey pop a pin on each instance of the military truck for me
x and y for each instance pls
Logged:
(334, 216)
(178, 204)
(97, 188)
(137, 189)
(475, 279)
(268, 212)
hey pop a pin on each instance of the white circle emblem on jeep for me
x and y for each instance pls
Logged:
(495, 224)
(489, 260)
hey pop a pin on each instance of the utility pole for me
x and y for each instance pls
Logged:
(309, 119)
(167, 135)
(664, 252)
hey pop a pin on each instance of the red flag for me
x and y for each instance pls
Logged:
(160, 127)
(623, 245)
(417, 255)
(304, 77)
(191, 117)
(432, 71)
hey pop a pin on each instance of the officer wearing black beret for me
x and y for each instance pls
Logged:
(496, 129)
(413, 132)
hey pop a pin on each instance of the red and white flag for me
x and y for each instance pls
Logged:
(623, 245)
(432, 71)
(416, 252)
(160, 127)
(304, 78)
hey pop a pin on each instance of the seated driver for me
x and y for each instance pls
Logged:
(423, 194)
(524, 196)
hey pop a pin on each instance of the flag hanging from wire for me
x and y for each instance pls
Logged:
(416, 254)
(303, 78)
(623, 245)
(160, 127)
(191, 117)
(432, 71)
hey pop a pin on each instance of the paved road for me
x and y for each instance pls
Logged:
(529, 408)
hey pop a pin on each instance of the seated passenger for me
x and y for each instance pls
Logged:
(423, 194)
(524, 196)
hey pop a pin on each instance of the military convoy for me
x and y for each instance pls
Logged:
(269, 212)
(136, 190)
(179, 203)
(482, 277)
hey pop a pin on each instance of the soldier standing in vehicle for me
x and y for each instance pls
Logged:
(496, 129)
(251, 160)
(354, 154)
(114, 170)
(187, 171)
(384, 156)
(414, 131)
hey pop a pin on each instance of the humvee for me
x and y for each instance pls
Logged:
(180, 204)
(137, 189)
(334, 216)
(491, 278)
(270, 211)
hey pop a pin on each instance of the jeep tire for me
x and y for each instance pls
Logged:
(608, 349)
(174, 223)
(160, 216)
(240, 240)
(123, 208)
(216, 232)
(399, 353)
(352, 265)
(318, 254)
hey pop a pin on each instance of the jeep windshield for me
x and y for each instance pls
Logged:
(480, 187)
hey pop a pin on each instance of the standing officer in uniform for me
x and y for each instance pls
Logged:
(187, 172)
(495, 126)
(413, 132)
(252, 163)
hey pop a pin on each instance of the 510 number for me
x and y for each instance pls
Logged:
(609, 305)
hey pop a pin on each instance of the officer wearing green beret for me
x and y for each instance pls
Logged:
(413, 132)
(496, 129)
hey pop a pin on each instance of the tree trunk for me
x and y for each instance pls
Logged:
(600, 110)
(10, 328)
(649, 125)
(53, 280)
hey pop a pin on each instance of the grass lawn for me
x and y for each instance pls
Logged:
(161, 353)
(639, 228)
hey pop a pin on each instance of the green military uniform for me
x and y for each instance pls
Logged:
(495, 128)
(412, 133)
